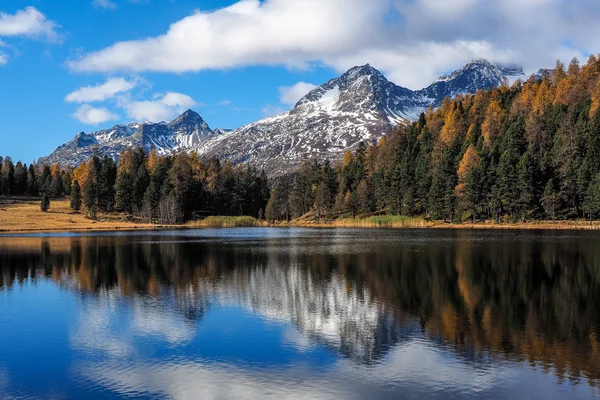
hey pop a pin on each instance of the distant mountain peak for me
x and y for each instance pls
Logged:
(485, 69)
(188, 114)
(359, 106)
(360, 70)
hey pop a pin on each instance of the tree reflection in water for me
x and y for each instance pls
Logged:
(531, 297)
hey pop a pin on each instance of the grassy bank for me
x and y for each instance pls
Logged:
(420, 222)
(26, 216)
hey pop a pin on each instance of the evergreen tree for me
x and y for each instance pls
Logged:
(550, 200)
(106, 184)
(32, 182)
(20, 179)
(75, 197)
(45, 204)
(7, 175)
(56, 186)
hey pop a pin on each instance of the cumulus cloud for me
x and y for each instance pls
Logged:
(100, 92)
(412, 41)
(162, 108)
(289, 95)
(89, 115)
(249, 32)
(28, 22)
(104, 4)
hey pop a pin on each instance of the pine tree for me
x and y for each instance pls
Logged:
(20, 179)
(75, 197)
(550, 200)
(32, 182)
(7, 175)
(106, 184)
(45, 204)
(91, 187)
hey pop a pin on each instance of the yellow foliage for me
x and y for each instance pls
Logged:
(469, 161)
(452, 125)
(81, 174)
(595, 99)
(347, 158)
(153, 161)
(492, 125)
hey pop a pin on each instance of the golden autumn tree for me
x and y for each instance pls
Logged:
(595, 99)
(153, 160)
(80, 174)
(347, 158)
(452, 124)
(492, 125)
(469, 162)
(465, 190)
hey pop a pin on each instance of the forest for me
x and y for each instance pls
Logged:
(514, 153)
(158, 189)
(526, 151)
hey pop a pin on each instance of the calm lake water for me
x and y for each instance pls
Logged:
(301, 314)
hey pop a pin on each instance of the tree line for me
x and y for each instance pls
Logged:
(513, 153)
(172, 189)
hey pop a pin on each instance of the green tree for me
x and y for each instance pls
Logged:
(550, 200)
(75, 197)
(32, 182)
(45, 204)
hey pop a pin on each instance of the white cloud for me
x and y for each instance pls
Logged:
(162, 108)
(28, 22)
(249, 32)
(270, 110)
(225, 103)
(289, 95)
(412, 41)
(89, 115)
(100, 92)
(3, 58)
(104, 4)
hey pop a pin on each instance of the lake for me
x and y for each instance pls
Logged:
(301, 314)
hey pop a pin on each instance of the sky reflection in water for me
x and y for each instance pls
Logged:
(294, 313)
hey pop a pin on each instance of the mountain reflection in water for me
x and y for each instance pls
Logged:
(351, 313)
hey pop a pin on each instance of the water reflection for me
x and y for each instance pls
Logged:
(474, 308)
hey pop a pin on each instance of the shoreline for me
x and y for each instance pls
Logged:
(25, 217)
(133, 227)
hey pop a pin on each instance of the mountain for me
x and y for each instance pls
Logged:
(185, 132)
(361, 105)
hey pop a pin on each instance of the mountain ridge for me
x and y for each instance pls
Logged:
(360, 105)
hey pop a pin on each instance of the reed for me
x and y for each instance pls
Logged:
(225, 222)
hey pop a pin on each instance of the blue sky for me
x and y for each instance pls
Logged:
(35, 119)
(82, 65)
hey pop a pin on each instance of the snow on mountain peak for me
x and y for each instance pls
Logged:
(360, 105)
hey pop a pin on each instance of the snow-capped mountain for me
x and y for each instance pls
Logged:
(361, 105)
(185, 132)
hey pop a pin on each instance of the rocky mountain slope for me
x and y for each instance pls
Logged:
(184, 133)
(361, 105)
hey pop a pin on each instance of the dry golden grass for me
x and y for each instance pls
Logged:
(26, 216)
(384, 221)
(226, 222)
